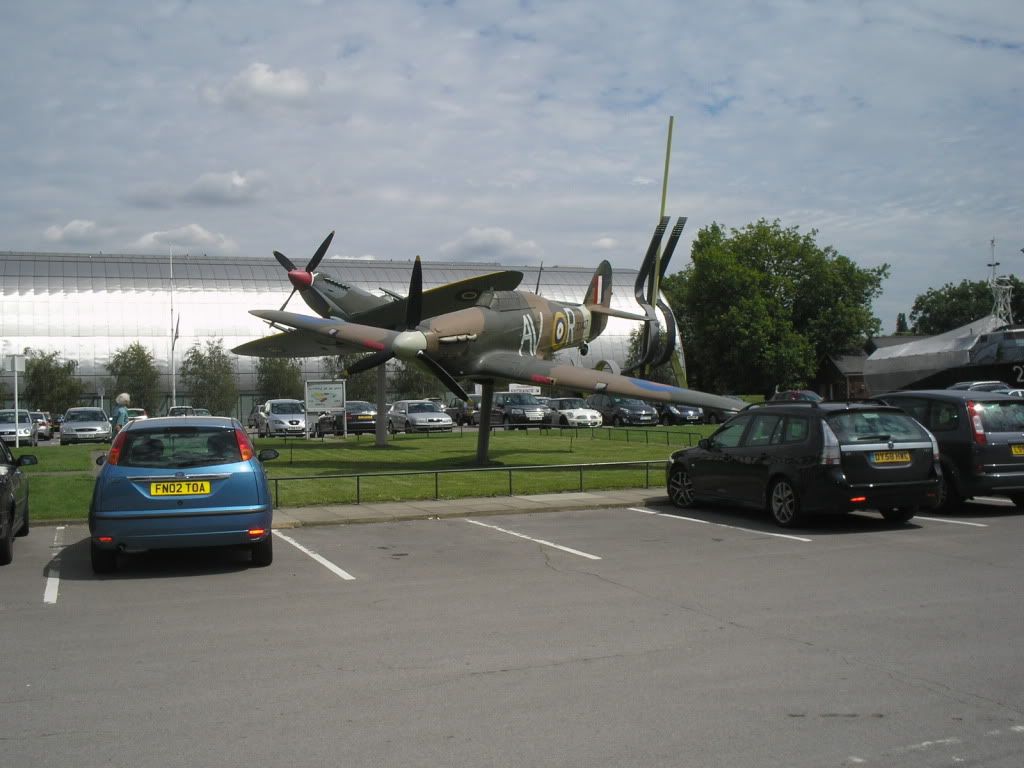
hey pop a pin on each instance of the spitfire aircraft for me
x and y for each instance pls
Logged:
(329, 297)
(506, 334)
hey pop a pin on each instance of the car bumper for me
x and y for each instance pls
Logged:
(187, 529)
(583, 422)
(80, 437)
(998, 483)
(833, 494)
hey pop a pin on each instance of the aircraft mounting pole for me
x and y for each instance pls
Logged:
(483, 437)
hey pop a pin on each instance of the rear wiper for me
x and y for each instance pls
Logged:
(863, 438)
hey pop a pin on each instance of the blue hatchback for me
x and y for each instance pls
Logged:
(192, 481)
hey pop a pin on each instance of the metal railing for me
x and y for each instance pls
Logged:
(359, 478)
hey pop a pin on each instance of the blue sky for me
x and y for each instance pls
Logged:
(517, 132)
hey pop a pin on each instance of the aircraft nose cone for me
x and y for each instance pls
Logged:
(408, 343)
(300, 278)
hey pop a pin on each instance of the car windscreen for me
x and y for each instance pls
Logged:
(287, 408)
(358, 406)
(864, 426)
(7, 417)
(1001, 415)
(569, 403)
(80, 416)
(424, 408)
(522, 398)
(629, 402)
(179, 447)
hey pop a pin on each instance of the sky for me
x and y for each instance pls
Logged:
(517, 133)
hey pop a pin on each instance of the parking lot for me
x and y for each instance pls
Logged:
(628, 636)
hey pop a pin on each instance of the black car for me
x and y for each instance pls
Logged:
(980, 436)
(358, 416)
(518, 409)
(464, 413)
(670, 414)
(801, 458)
(619, 410)
(13, 500)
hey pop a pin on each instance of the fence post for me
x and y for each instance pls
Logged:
(510, 482)
(581, 478)
(277, 493)
(436, 476)
(359, 489)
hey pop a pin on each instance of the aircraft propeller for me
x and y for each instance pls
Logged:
(302, 279)
(409, 343)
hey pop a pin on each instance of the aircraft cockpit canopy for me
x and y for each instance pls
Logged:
(503, 301)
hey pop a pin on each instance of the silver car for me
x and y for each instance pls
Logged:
(418, 416)
(85, 425)
(26, 431)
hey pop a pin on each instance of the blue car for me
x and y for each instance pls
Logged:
(184, 481)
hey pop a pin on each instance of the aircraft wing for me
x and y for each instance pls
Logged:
(532, 370)
(338, 335)
(440, 300)
(296, 344)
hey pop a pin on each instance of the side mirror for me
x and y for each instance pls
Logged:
(101, 459)
(703, 443)
(267, 454)
(27, 460)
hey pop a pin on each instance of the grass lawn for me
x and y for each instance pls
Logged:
(61, 484)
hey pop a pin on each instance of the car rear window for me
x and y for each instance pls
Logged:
(868, 425)
(1001, 416)
(179, 447)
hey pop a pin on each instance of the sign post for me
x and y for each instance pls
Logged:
(16, 364)
(325, 395)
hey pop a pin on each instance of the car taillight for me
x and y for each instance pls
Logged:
(830, 453)
(244, 445)
(935, 447)
(114, 454)
(974, 409)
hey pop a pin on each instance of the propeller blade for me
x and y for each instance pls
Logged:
(446, 378)
(414, 306)
(368, 362)
(316, 302)
(320, 252)
(284, 261)
(288, 299)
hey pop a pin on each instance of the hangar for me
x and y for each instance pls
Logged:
(87, 306)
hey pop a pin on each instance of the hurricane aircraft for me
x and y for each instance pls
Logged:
(506, 335)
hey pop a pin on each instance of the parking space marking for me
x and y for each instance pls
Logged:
(341, 573)
(951, 522)
(53, 570)
(719, 525)
(536, 541)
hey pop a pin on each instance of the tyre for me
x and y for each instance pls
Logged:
(506, 423)
(391, 427)
(898, 515)
(1018, 499)
(784, 503)
(950, 499)
(103, 560)
(680, 488)
(408, 427)
(617, 421)
(7, 538)
(564, 422)
(712, 418)
(263, 552)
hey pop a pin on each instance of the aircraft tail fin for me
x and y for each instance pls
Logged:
(599, 299)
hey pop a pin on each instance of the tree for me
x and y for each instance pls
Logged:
(938, 310)
(135, 372)
(361, 386)
(409, 382)
(901, 324)
(763, 306)
(279, 377)
(50, 385)
(209, 377)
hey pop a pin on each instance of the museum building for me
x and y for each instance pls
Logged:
(85, 307)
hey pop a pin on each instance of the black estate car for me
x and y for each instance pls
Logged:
(800, 458)
(980, 436)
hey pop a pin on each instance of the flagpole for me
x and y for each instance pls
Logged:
(174, 390)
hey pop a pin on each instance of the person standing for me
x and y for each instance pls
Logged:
(121, 411)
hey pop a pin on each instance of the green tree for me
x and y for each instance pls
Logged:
(208, 375)
(135, 372)
(762, 306)
(938, 310)
(279, 377)
(409, 382)
(901, 324)
(50, 385)
(361, 386)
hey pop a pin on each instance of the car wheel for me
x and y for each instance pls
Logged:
(712, 418)
(950, 499)
(664, 420)
(408, 427)
(103, 560)
(1018, 499)
(617, 421)
(506, 423)
(7, 539)
(263, 552)
(391, 427)
(680, 487)
(784, 503)
(898, 515)
(563, 422)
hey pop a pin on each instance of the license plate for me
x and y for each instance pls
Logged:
(1017, 450)
(891, 457)
(364, 418)
(180, 488)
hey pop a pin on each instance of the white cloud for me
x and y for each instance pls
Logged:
(226, 188)
(190, 236)
(259, 85)
(78, 232)
(490, 244)
(605, 243)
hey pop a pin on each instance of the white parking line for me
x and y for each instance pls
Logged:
(719, 525)
(951, 522)
(319, 558)
(53, 571)
(536, 541)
